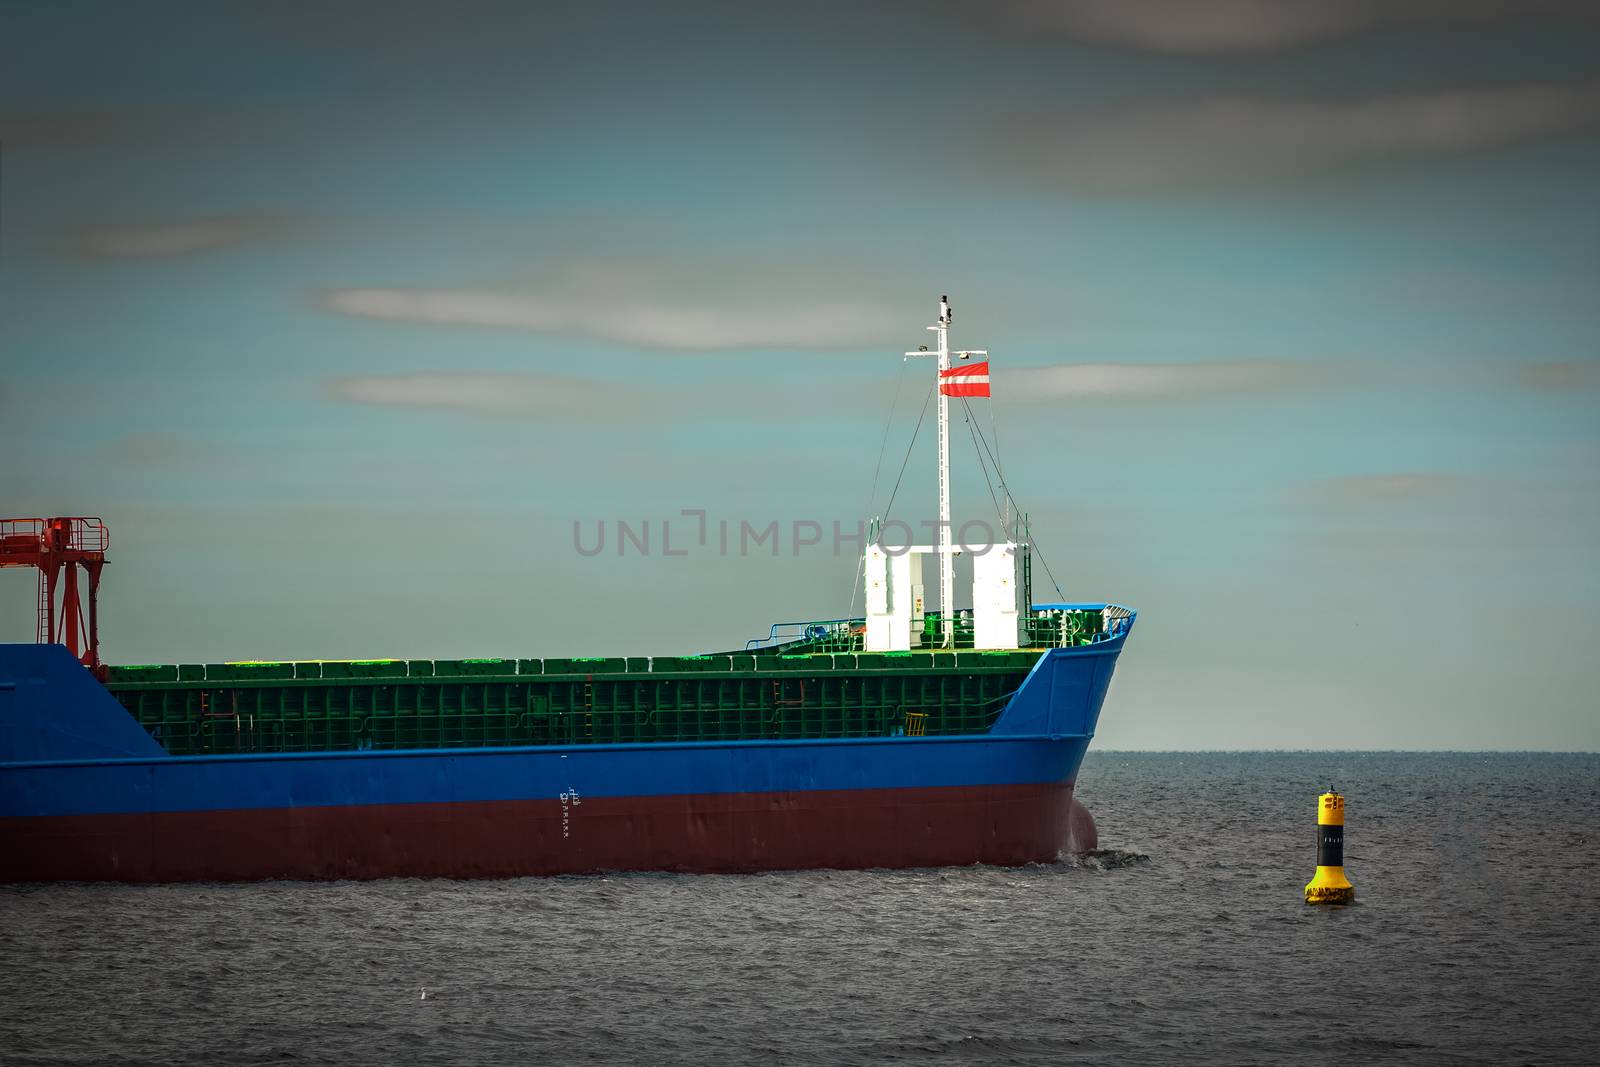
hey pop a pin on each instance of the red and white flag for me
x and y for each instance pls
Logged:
(969, 379)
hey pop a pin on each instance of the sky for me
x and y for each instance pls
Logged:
(354, 322)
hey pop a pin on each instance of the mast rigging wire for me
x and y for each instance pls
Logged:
(883, 446)
(1033, 545)
(918, 429)
(855, 583)
(872, 495)
(984, 466)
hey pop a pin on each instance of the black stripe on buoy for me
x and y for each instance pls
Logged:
(1330, 846)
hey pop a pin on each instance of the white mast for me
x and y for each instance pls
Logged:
(944, 546)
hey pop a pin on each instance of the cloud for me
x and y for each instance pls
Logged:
(1560, 376)
(651, 305)
(19, 129)
(160, 452)
(1405, 485)
(1090, 381)
(180, 129)
(1225, 26)
(165, 240)
(1253, 138)
(508, 395)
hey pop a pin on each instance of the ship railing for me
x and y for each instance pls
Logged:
(1065, 626)
(839, 632)
(87, 535)
(850, 635)
(21, 537)
(1046, 626)
(29, 528)
(1053, 626)
(79, 534)
(1119, 620)
(1069, 625)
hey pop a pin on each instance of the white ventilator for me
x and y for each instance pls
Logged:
(894, 575)
(996, 597)
(890, 599)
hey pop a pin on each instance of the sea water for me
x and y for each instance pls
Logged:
(1475, 939)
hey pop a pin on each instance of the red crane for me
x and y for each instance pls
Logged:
(58, 547)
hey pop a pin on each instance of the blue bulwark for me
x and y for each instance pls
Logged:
(51, 708)
(1062, 695)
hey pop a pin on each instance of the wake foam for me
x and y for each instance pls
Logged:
(1105, 859)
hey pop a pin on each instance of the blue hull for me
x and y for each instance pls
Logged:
(86, 794)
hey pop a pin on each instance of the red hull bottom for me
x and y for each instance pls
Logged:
(1005, 825)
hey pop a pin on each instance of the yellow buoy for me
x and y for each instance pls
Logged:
(1330, 886)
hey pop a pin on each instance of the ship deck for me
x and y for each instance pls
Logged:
(803, 681)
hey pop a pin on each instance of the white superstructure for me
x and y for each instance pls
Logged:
(894, 575)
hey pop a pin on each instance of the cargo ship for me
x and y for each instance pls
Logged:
(896, 737)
